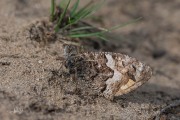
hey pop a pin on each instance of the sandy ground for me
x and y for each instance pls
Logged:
(32, 86)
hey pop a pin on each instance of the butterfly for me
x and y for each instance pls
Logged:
(113, 74)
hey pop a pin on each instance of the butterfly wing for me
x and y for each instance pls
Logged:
(114, 74)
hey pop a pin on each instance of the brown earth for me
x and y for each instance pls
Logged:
(31, 75)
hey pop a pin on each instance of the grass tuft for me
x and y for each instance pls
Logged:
(62, 16)
(75, 15)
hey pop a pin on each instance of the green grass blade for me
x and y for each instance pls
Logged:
(61, 17)
(63, 4)
(52, 9)
(79, 16)
(82, 28)
(82, 15)
(74, 8)
(123, 25)
(102, 37)
(82, 9)
(78, 35)
(81, 34)
(87, 11)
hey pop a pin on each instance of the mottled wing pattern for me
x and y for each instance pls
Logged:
(114, 74)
